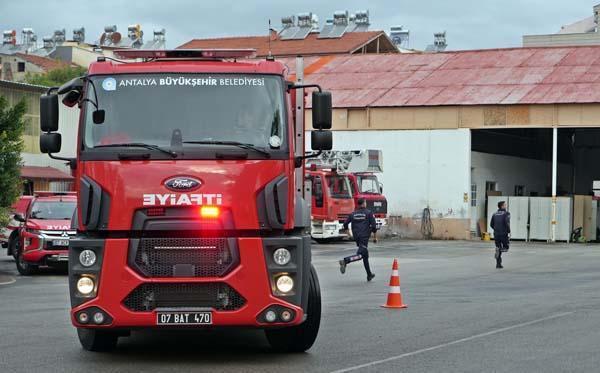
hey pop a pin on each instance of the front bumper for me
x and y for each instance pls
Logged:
(41, 250)
(381, 222)
(252, 278)
(324, 229)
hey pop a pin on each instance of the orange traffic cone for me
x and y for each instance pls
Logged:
(394, 299)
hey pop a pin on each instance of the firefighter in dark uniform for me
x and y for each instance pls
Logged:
(500, 223)
(363, 224)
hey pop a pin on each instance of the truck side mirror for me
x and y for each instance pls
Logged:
(49, 113)
(50, 142)
(321, 110)
(98, 116)
(321, 140)
(19, 217)
(72, 98)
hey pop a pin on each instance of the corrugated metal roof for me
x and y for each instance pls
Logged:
(540, 75)
(37, 172)
(22, 86)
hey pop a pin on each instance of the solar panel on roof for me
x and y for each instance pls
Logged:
(361, 28)
(288, 33)
(302, 33)
(351, 27)
(338, 31)
(325, 32)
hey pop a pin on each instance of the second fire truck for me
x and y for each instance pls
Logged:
(339, 179)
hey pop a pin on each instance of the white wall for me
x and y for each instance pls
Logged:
(509, 171)
(421, 168)
(68, 123)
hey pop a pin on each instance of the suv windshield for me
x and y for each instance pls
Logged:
(52, 210)
(189, 112)
(368, 184)
(339, 186)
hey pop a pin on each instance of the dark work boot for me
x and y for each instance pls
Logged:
(343, 266)
(499, 263)
(370, 276)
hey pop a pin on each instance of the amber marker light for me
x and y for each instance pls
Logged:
(209, 212)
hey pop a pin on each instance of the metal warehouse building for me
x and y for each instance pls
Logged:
(459, 128)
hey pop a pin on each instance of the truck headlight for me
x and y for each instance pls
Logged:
(285, 284)
(282, 256)
(85, 285)
(87, 258)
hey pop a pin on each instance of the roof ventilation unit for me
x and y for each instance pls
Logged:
(79, 35)
(362, 21)
(110, 37)
(400, 36)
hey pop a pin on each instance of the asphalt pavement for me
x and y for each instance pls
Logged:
(539, 314)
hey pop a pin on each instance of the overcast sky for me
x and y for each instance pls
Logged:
(469, 24)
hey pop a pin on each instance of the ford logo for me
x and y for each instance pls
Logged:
(183, 183)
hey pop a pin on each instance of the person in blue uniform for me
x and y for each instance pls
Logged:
(500, 223)
(363, 224)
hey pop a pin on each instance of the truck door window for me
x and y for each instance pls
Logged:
(317, 191)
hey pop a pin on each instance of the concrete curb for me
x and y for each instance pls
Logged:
(6, 280)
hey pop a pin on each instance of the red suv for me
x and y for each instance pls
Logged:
(45, 232)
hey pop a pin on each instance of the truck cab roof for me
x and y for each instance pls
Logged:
(245, 66)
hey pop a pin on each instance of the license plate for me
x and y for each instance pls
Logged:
(60, 242)
(184, 318)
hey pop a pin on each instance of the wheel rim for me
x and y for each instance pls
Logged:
(21, 261)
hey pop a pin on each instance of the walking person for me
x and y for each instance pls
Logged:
(363, 224)
(500, 223)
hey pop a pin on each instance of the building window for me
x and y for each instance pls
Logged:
(490, 186)
(473, 195)
(21, 67)
(519, 190)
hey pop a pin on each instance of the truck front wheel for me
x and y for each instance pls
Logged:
(301, 337)
(97, 340)
(24, 268)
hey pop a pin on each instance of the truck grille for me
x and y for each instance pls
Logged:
(377, 207)
(186, 257)
(219, 296)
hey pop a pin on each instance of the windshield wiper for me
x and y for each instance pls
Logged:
(139, 145)
(232, 143)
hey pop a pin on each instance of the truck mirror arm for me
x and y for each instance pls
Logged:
(300, 86)
(72, 162)
(298, 161)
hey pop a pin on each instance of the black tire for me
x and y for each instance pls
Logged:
(97, 340)
(24, 268)
(12, 247)
(301, 337)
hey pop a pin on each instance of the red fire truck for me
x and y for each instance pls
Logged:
(43, 237)
(366, 164)
(191, 195)
(339, 179)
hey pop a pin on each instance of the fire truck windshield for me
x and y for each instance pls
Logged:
(189, 113)
(339, 186)
(52, 210)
